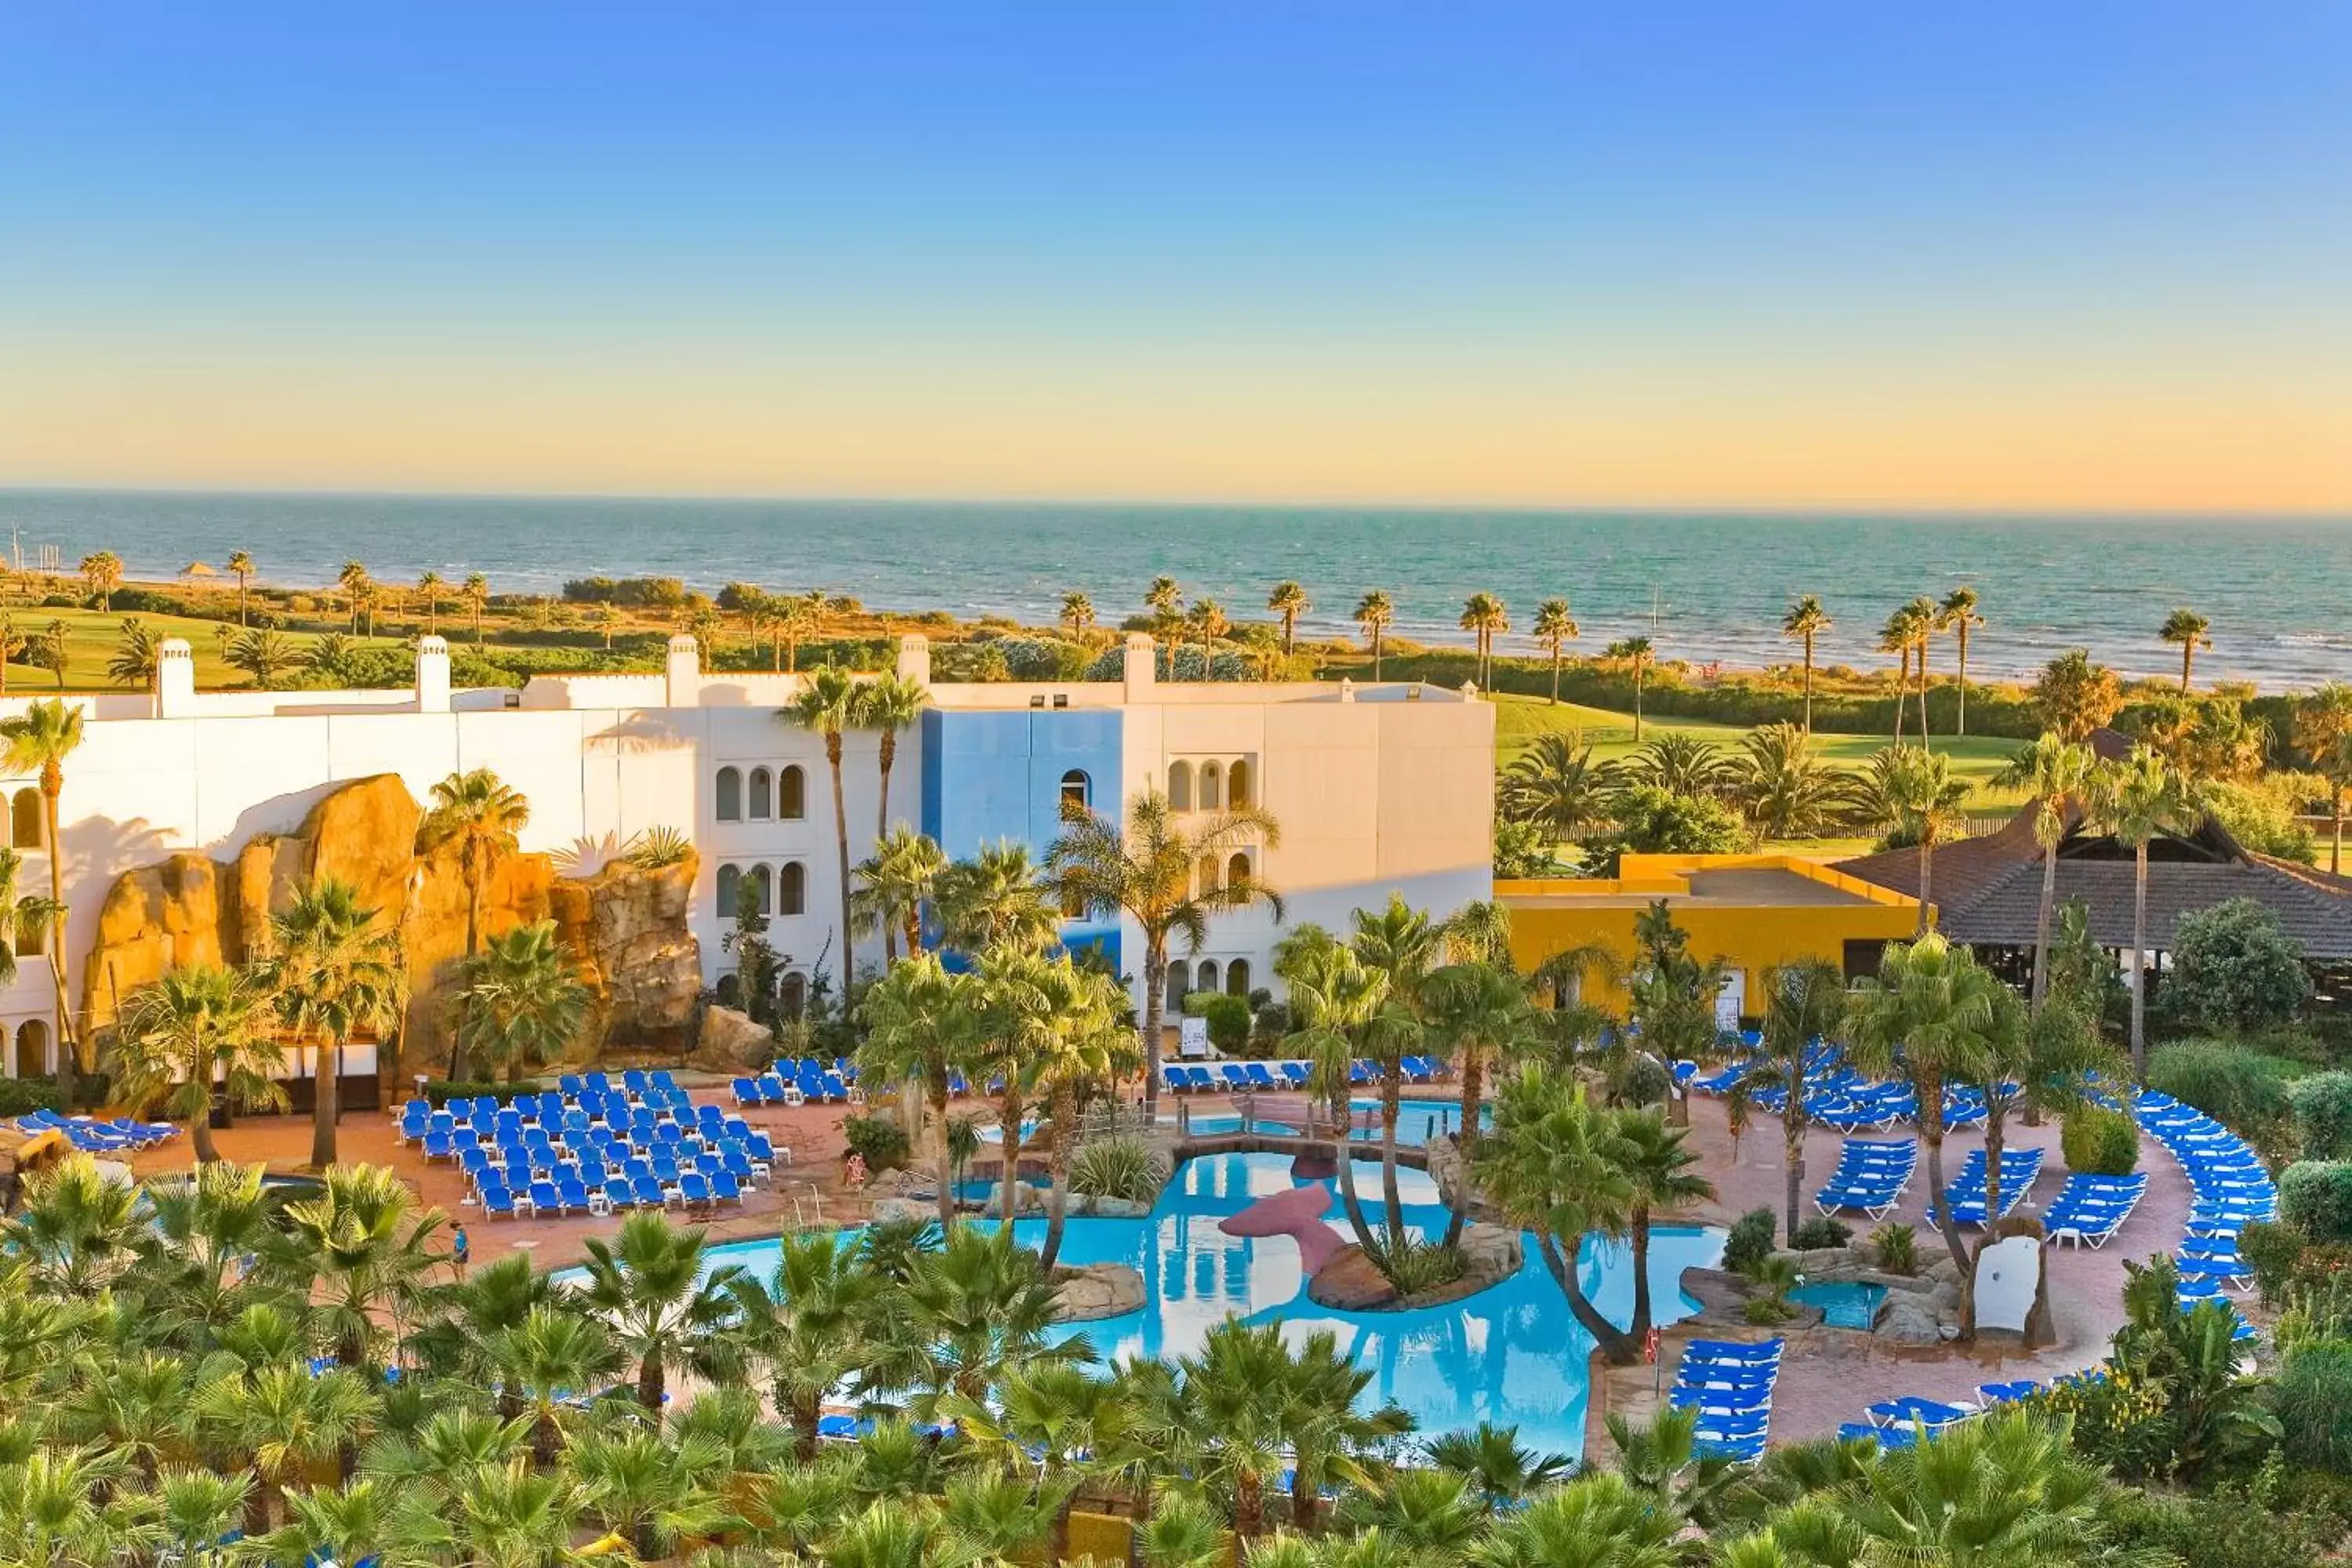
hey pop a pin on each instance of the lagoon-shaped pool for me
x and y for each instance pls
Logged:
(1510, 1355)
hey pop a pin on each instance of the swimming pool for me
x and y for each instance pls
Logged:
(1418, 1121)
(1844, 1304)
(1510, 1355)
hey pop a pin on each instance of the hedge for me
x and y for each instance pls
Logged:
(2315, 1198)
(2323, 1115)
(2097, 1142)
(21, 1095)
(2227, 1082)
(439, 1092)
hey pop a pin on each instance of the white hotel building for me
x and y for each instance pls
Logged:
(1377, 788)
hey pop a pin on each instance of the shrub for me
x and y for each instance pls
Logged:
(2274, 1251)
(1117, 1168)
(1229, 1021)
(2234, 969)
(1413, 1265)
(879, 1141)
(1270, 1023)
(2097, 1142)
(20, 1094)
(1898, 1248)
(1819, 1232)
(2227, 1082)
(1749, 1242)
(2323, 1115)
(440, 1091)
(2315, 1198)
(1765, 1311)
(2314, 1406)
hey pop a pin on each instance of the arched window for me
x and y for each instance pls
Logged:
(1237, 978)
(1212, 786)
(1207, 977)
(730, 991)
(730, 795)
(1237, 868)
(1180, 786)
(791, 795)
(760, 881)
(25, 819)
(1237, 783)
(791, 993)
(1179, 980)
(730, 885)
(1077, 790)
(1204, 874)
(760, 794)
(32, 1048)
(791, 889)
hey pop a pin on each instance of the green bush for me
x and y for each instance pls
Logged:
(21, 1095)
(1765, 1311)
(1229, 1021)
(2315, 1198)
(1117, 1168)
(1750, 1241)
(2226, 1081)
(2323, 1115)
(1898, 1248)
(2314, 1405)
(877, 1139)
(2272, 1250)
(2234, 969)
(440, 1091)
(2097, 1142)
(1819, 1232)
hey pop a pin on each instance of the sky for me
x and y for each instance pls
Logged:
(1982, 256)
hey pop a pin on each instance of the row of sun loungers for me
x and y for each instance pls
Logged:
(2089, 1210)
(1870, 1176)
(1730, 1386)
(1902, 1422)
(2232, 1190)
(801, 1083)
(1233, 1078)
(1971, 1191)
(91, 1136)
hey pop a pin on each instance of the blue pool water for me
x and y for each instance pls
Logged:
(1511, 1355)
(1844, 1304)
(1418, 1121)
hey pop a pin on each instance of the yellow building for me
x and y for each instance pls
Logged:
(1752, 911)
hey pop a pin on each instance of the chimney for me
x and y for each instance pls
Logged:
(1142, 677)
(175, 679)
(685, 671)
(915, 659)
(432, 675)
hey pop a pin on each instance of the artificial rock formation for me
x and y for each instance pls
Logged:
(626, 925)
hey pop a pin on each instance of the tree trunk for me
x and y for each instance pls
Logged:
(887, 755)
(1057, 1163)
(1637, 704)
(1809, 683)
(1931, 1134)
(1640, 1329)
(53, 784)
(326, 1071)
(1961, 728)
(841, 846)
(2139, 961)
(1617, 1347)
(1902, 693)
(1926, 883)
(650, 1387)
(802, 1415)
(1922, 691)
(200, 1133)
(1306, 1497)
(937, 1091)
(1009, 1111)
(1155, 980)
(1472, 1082)
(1349, 1203)
(2041, 924)
(1794, 1127)
(1555, 676)
(1376, 653)
(2187, 657)
(1393, 1203)
(1249, 1505)
(2336, 822)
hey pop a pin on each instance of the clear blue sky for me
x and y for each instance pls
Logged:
(2076, 254)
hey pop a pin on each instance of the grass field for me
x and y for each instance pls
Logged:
(91, 635)
(1519, 719)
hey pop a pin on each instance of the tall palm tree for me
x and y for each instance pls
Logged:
(1661, 1174)
(2055, 773)
(1233, 1387)
(1078, 613)
(1144, 871)
(1637, 655)
(356, 586)
(336, 973)
(1479, 1013)
(1918, 798)
(39, 741)
(1484, 615)
(476, 593)
(922, 1024)
(1288, 601)
(828, 704)
(1207, 622)
(807, 1325)
(1958, 615)
(649, 1286)
(1375, 614)
(240, 566)
(1334, 997)
(886, 705)
(1330, 1434)
(1920, 616)
(430, 589)
(521, 1000)
(2134, 800)
(2186, 630)
(102, 570)
(1074, 1043)
(1163, 598)
(1804, 1003)
(2323, 732)
(893, 884)
(1896, 637)
(1555, 628)
(184, 1030)
(480, 817)
(1405, 947)
(996, 898)
(1805, 621)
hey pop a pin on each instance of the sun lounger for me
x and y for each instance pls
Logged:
(1933, 1414)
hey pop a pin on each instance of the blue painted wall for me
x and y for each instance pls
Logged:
(991, 777)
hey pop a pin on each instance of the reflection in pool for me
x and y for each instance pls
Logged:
(1511, 1355)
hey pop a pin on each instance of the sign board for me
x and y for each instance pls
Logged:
(2008, 1275)
(1192, 1037)
(1732, 1000)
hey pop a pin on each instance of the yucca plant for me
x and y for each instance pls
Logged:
(1413, 1265)
(1120, 1168)
(656, 847)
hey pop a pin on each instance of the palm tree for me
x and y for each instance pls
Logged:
(1896, 637)
(1479, 1013)
(1206, 621)
(1288, 601)
(808, 1324)
(1491, 1459)
(262, 654)
(476, 593)
(2323, 732)
(1918, 798)
(1805, 621)
(336, 973)
(137, 650)
(1784, 790)
(1145, 872)
(892, 885)
(356, 586)
(645, 1490)
(648, 1285)
(1925, 1017)
(1636, 655)
(431, 588)
(1403, 947)
(1374, 614)
(545, 1361)
(886, 705)
(1484, 615)
(1078, 613)
(1074, 1044)
(279, 1421)
(1804, 1003)
(240, 566)
(1234, 1390)
(2055, 773)
(1555, 627)
(39, 739)
(2185, 630)
(1920, 616)
(828, 704)
(361, 1253)
(606, 618)
(1059, 1421)
(1334, 997)
(1328, 1434)
(1958, 615)
(998, 897)
(181, 1032)
(1555, 784)
(1549, 1166)
(798, 617)
(478, 815)
(102, 570)
(521, 1000)
(923, 1023)
(1660, 1175)
(2134, 800)
(974, 1313)
(1163, 598)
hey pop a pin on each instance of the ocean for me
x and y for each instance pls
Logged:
(1704, 586)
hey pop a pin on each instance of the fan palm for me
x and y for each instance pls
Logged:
(650, 1285)
(2186, 630)
(1555, 628)
(886, 705)
(205, 1227)
(1958, 615)
(1598, 1517)
(1404, 947)
(1491, 1458)
(1557, 785)
(191, 1028)
(2134, 800)
(976, 1313)
(2056, 772)
(494, 1516)
(279, 1420)
(549, 1358)
(922, 1022)
(1288, 601)
(1478, 1013)
(1483, 615)
(361, 1253)
(1145, 872)
(1163, 597)
(476, 593)
(522, 1001)
(1235, 1389)
(1636, 655)
(1075, 1044)
(1058, 1420)
(1078, 613)
(1804, 1002)
(1805, 621)
(1660, 1173)
(892, 885)
(997, 898)
(646, 1490)
(240, 566)
(336, 973)
(1375, 615)
(1917, 796)
(1921, 616)
(828, 705)
(480, 818)
(807, 1325)
(1334, 997)
(1329, 1436)
(2323, 732)
(39, 741)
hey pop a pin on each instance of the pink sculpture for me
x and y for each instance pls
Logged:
(1297, 1213)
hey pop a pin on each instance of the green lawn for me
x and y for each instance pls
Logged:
(91, 635)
